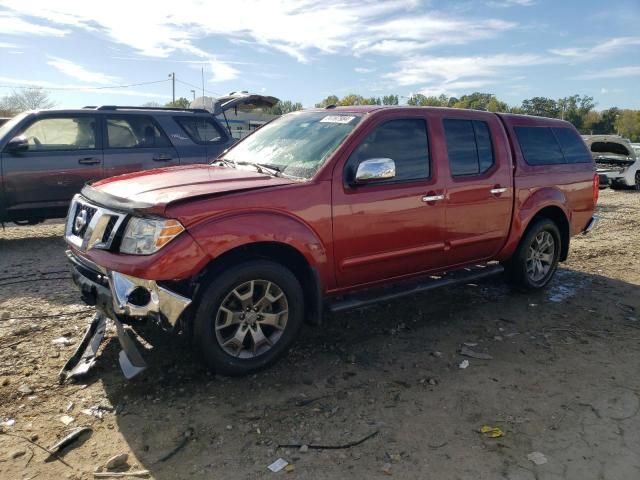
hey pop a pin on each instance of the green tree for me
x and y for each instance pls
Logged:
(330, 100)
(541, 107)
(284, 106)
(26, 99)
(628, 124)
(390, 100)
(482, 101)
(179, 103)
(421, 100)
(575, 109)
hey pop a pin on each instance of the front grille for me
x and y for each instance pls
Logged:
(87, 213)
(91, 226)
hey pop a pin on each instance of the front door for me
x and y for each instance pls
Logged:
(135, 142)
(479, 186)
(390, 228)
(64, 153)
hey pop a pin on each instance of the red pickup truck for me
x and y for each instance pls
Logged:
(328, 209)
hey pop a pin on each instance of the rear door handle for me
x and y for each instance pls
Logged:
(89, 161)
(162, 158)
(498, 190)
(433, 198)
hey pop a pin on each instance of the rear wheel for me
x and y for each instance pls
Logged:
(637, 183)
(248, 316)
(536, 259)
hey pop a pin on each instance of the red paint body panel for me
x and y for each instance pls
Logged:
(356, 237)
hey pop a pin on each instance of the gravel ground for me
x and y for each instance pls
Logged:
(562, 383)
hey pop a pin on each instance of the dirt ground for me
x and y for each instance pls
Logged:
(563, 380)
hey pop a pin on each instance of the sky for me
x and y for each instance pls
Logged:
(123, 52)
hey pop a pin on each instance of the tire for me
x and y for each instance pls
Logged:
(637, 182)
(235, 322)
(525, 272)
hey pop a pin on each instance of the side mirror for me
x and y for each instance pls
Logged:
(17, 144)
(375, 169)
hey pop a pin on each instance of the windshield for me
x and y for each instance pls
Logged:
(296, 144)
(7, 127)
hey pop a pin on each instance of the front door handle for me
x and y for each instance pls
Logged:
(162, 158)
(433, 198)
(89, 161)
(498, 190)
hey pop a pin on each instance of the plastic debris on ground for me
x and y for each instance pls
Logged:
(464, 364)
(537, 458)
(278, 465)
(491, 432)
(467, 352)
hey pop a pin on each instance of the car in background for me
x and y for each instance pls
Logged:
(47, 156)
(617, 161)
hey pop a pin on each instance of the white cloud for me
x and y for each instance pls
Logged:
(511, 3)
(9, 45)
(604, 48)
(80, 73)
(298, 28)
(11, 24)
(451, 75)
(221, 71)
(364, 70)
(617, 72)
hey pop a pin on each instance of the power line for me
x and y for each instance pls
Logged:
(199, 88)
(79, 87)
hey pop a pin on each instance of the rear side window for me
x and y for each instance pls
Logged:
(404, 141)
(200, 130)
(572, 146)
(539, 146)
(469, 147)
(135, 131)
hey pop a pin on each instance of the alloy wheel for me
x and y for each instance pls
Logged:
(540, 256)
(251, 318)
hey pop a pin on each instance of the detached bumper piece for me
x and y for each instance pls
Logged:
(118, 297)
(591, 225)
(85, 356)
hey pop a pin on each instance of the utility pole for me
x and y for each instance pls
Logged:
(194, 95)
(172, 75)
(203, 82)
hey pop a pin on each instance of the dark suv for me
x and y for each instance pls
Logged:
(47, 156)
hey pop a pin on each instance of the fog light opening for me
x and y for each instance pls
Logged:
(139, 297)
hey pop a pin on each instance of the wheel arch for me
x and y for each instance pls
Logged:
(557, 216)
(277, 252)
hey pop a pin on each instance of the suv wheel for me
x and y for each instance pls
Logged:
(637, 184)
(536, 258)
(248, 316)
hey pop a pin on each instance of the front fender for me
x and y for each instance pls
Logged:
(528, 204)
(222, 234)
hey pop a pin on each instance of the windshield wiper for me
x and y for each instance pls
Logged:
(272, 169)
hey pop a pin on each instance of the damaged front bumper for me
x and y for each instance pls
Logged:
(118, 297)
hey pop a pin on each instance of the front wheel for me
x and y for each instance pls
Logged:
(248, 317)
(536, 259)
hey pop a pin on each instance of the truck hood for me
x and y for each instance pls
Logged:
(152, 190)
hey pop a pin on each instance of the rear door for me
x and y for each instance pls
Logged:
(479, 185)
(207, 137)
(64, 153)
(135, 142)
(395, 227)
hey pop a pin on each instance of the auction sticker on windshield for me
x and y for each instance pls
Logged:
(337, 119)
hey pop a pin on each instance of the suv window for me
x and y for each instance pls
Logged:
(539, 146)
(64, 133)
(572, 146)
(469, 147)
(134, 131)
(200, 129)
(403, 141)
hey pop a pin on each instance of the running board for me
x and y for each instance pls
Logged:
(385, 294)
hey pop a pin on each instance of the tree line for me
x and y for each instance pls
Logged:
(577, 109)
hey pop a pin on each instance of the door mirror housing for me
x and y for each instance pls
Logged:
(375, 170)
(18, 144)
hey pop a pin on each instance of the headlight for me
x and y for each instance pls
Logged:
(144, 236)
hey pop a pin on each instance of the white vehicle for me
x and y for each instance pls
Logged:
(617, 160)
